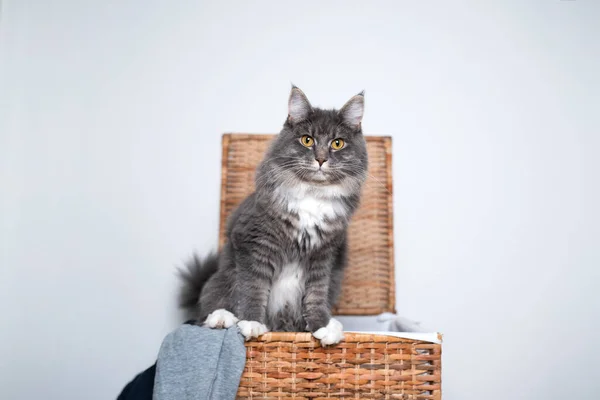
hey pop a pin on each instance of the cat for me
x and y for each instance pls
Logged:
(282, 264)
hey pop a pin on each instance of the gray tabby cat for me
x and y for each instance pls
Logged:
(281, 268)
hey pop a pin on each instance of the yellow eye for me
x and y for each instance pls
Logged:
(307, 141)
(337, 144)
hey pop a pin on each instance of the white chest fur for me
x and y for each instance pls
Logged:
(314, 210)
(287, 289)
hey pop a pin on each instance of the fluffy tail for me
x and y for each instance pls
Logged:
(194, 276)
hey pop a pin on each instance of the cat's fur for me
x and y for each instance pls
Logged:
(282, 265)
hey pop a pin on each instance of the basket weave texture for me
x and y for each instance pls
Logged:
(282, 365)
(368, 287)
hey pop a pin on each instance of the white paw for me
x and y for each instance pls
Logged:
(220, 318)
(331, 334)
(252, 329)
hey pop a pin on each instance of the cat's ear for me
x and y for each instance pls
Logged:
(353, 110)
(298, 106)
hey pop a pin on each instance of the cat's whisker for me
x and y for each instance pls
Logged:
(377, 181)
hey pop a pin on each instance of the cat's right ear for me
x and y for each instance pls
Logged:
(298, 106)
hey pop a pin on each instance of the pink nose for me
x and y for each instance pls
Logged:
(321, 161)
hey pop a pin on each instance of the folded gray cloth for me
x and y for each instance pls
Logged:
(197, 363)
(401, 324)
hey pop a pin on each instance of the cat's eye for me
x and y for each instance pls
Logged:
(307, 141)
(337, 144)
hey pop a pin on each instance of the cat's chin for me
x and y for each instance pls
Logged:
(319, 178)
(319, 182)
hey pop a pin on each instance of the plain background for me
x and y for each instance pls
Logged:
(110, 120)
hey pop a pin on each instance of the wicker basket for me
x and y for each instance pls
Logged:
(283, 365)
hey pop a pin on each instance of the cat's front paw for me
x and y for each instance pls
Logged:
(252, 329)
(331, 334)
(220, 318)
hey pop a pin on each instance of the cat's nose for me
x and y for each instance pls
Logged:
(320, 160)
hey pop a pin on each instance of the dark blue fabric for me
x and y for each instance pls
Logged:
(141, 387)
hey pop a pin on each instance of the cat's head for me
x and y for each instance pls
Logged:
(318, 147)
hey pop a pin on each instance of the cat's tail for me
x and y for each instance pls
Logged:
(193, 276)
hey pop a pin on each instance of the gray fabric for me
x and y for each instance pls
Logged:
(197, 363)
(401, 324)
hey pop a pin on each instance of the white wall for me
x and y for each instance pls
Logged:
(110, 121)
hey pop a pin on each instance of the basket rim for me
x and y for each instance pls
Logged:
(434, 338)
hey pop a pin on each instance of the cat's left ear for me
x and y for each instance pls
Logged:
(353, 110)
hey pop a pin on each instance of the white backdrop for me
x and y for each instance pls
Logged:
(110, 121)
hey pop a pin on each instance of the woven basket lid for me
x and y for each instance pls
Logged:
(368, 286)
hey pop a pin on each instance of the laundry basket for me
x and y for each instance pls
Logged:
(294, 365)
